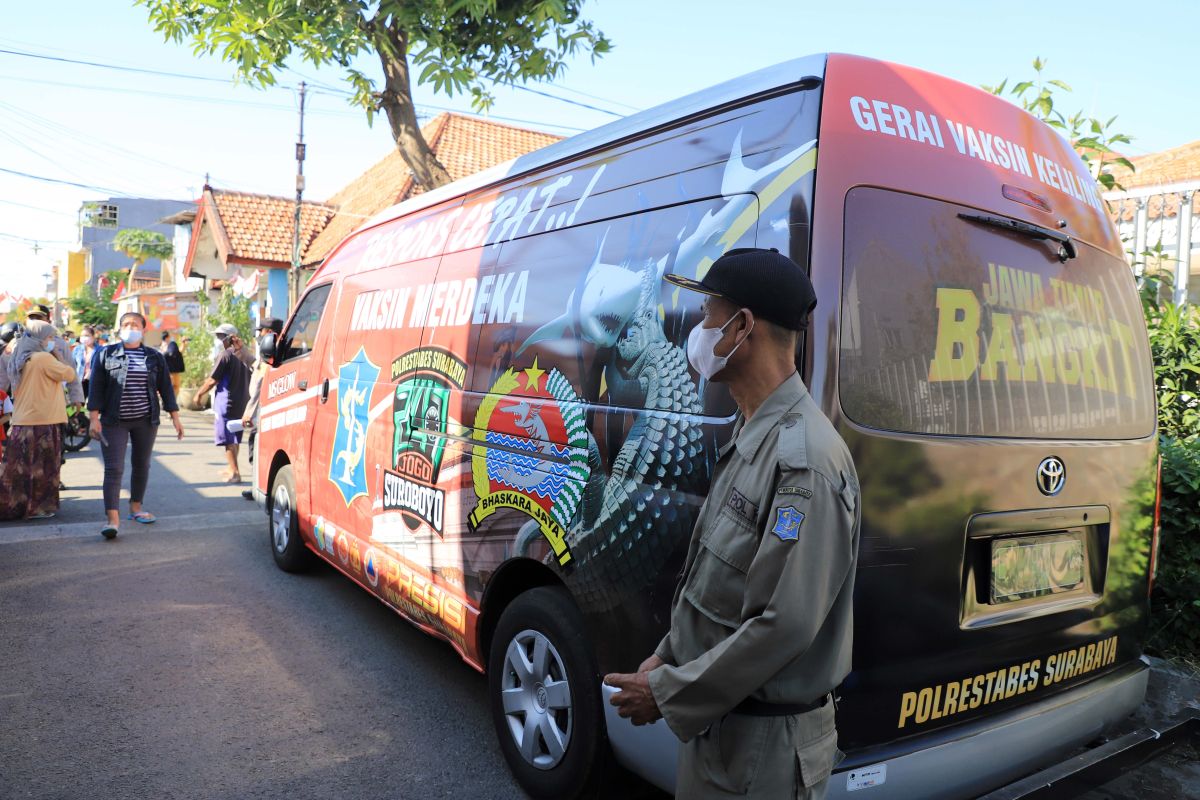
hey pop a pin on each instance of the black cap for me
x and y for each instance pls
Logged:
(765, 281)
(38, 308)
(270, 323)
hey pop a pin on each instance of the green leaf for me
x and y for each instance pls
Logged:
(1060, 85)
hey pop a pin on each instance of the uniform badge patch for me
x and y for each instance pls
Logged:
(787, 523)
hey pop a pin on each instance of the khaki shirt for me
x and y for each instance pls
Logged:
(764, 605)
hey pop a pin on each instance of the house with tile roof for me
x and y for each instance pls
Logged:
(1160, 204)
(239, 238)
(236, 236)
(464, 145)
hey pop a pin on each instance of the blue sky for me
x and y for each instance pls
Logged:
(152, 136)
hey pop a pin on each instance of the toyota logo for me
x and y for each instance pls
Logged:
(1051, 475)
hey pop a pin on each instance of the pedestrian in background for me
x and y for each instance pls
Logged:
(128, 380)
(170, 350)
(231, 379)
(268, 327)
(32, 455)
(9, 333)
(61, 351)
(82, 354)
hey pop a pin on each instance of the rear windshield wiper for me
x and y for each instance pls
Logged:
(1066, 247)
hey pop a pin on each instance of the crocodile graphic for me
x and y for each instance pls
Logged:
(633, 516)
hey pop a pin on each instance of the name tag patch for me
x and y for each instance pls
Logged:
(787, 523)
(795, 490)
(741, 505)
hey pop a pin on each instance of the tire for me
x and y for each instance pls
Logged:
(541, 667)
(283, 525)
(76, 436)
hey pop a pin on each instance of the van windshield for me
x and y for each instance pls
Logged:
(952, 327)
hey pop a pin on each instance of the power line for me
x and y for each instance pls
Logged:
(35, 241)
(44, 179)
(566, 100)
(38, 208)
(139, 70)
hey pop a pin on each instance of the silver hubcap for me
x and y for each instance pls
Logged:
(537, 699)
(281, 518)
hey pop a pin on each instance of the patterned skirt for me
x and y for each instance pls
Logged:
(29, 471)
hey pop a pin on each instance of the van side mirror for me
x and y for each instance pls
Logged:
(267, 348)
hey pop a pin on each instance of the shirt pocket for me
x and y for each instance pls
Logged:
(717, 585)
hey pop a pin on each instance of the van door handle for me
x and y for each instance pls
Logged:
(324, 390)
(303, 384)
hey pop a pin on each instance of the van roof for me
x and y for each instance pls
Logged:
(788, 73)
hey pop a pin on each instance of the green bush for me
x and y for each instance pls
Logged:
(1175, 345)
(198, 339)
(1176, 599)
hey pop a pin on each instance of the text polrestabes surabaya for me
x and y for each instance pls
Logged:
(959, 696)
(489, 299)
(892, 119)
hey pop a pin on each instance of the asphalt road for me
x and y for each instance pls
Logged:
(178, 662)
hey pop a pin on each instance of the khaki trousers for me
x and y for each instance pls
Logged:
(176, 379)
(760, 757)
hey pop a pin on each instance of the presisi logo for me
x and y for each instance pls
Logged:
(420, 414)
(347, 465)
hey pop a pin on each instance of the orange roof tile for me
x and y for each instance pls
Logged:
(1176, 165)
(259, 226)
(464, 145)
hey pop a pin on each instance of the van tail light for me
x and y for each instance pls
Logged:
(1157, 524)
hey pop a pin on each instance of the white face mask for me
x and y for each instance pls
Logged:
(131, 335)
(700, 348)
(86, 341)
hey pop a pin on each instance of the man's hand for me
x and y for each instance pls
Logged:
(178, 425)
(247, 423)
(94, 428)
(635, 701)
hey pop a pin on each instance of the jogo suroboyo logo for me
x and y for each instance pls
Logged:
(420, 413)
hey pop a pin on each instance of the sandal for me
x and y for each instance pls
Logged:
(144, 517)
(109, 532)
(234, 479)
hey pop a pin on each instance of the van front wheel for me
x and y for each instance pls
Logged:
(545, 695)
(284, 525)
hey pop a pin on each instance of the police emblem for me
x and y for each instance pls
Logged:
(347, 466)
(787, 523)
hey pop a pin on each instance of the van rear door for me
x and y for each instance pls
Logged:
(1003, 413)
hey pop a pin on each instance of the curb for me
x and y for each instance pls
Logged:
(176, 523)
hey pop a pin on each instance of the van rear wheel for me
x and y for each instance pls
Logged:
(545, 695)
(284, 525)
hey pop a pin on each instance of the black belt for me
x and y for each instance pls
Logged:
(758, 708)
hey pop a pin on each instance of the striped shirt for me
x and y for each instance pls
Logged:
(135, 399)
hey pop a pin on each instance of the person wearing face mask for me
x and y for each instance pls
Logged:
(128, 380)
(82, 355)
(30, 467)
(61, 351)
(761, 622)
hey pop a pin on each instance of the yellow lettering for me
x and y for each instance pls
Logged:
(924, 705)
(1002, 349)
(951, 704)
(908, 705)
(956, 354)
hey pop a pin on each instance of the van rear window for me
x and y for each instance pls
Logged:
(954, 327)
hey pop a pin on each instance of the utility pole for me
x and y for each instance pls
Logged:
(294, 277)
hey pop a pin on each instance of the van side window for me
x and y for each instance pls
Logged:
(590, 302)
(300, 335)
(957, 328)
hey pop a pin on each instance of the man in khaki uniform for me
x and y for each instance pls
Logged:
(761, 623)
